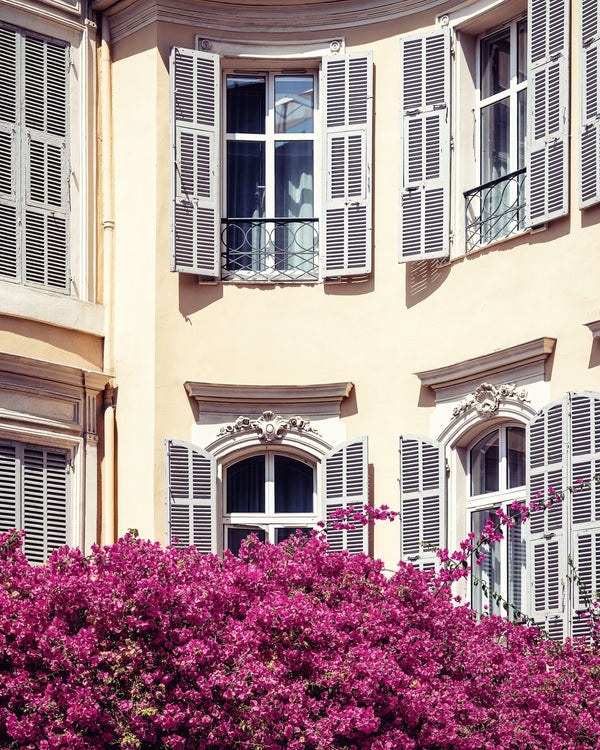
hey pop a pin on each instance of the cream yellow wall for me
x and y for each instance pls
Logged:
(406, 318)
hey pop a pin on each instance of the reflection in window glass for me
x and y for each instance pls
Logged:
(484, 465)
(515, 438)
(495, 63)
(522, 51)
(495, 121)
(294, 104)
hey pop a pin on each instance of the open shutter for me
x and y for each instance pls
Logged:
(9, 488)
(345, 481)
(191, 497)
(422, 499)
(8, 154)
(547, 110)
(425, 148)
(194, 80)
(547, 438)
(347, 133)
(46, 66)
(589, 101)
(45, 491)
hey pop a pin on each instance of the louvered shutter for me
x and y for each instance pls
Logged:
(589, 101)
(195, 107)
(547, 438)
(8, 150)
(9, 488)
(45, 261)
(422, 500)
(191, 497)
(347, 97)
(547, 110)
(45, 477)
(425, 148)
(345, 482)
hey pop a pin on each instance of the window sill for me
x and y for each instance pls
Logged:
(49, 307)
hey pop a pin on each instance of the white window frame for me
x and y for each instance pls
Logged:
(249, 67)
(268, 521)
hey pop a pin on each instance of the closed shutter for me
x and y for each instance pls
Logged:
(547, 110)
(547, 438)
(422, 500)
(589, 100)
(347, 97)
(8, 149)
(9, 488)
(345, 482)
(425, 148)
(194, 79)
(191, 497)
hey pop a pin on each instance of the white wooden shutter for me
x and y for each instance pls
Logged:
(422, 499)
(347, 99)
(191, 497)
(46, 66)
(547, 110)
(425, 147)
(9, 488)
(195, 107)
(345, 482)
(547, 438)
(45, 477)
(8, 150)
(589, 103)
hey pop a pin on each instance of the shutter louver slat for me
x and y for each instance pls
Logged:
(8, 151)
(191, 497)
(195, 242)
(345, 483)
(8, 488)
(425, 197)
(348, 85)
(422, 499)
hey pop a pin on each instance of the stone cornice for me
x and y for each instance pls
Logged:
(52, 372)
(228, 393)
(268, 16)
(482, 368)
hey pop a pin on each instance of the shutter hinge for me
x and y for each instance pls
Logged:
(451, 143)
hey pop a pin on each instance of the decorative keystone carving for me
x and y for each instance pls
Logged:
(269, 425)
(487, 398)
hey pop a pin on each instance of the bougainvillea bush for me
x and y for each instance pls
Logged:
(284, 647)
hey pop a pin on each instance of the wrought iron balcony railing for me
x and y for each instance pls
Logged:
(269, 249)
(495, 210)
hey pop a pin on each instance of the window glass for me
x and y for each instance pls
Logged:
(235, 537)
(515, 439)
(522, 51)
(246, 486)
(246, 179)
(245, 104)
(495, 121)
(495, 63)
(293, 486)
(281, 534)
(490, 570)
(485, 464)
(294, 104)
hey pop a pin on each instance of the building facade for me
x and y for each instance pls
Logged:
(260, 261)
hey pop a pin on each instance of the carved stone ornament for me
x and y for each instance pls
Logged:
(269, 425)
(487, 398)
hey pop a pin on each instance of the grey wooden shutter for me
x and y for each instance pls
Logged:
(422, 499)
(425, 147)
(191, 497)
(8, 154)
(45, 478)
(345, 482)
(9, 488)
(547, 438)
(589, 103)
(347, 99)
(547, 110)
(195, 107)
(46, 65)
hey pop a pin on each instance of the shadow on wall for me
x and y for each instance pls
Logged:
(423, 277)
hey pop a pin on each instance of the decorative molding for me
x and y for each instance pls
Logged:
(487, 398)
(483, 368)
(259, 394)
(270, 426)
(594, 327)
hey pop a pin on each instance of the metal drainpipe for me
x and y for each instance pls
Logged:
(108, 225)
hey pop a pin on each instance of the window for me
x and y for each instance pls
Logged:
(34, 492)
(270, 495)
(34, 160)
(496, 479)
(245, 203)
(270, 170)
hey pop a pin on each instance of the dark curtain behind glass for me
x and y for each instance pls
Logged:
(246, 486)
(293, 486)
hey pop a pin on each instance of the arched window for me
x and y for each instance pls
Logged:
(497, 467)
(270, 494)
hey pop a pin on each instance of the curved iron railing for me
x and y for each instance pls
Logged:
(278, 249)
(495, 210)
